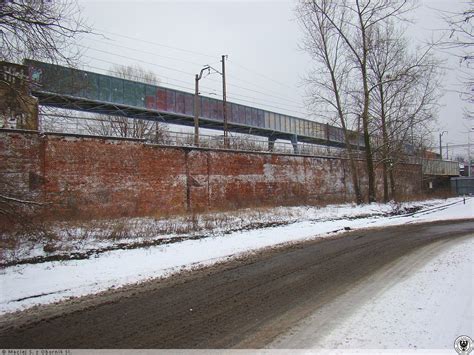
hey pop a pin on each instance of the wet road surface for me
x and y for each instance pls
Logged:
(245, 303)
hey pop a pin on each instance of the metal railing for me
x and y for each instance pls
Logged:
(82, 126)
(245, 143)
(462, 185)
(85, 126)
(437, 166)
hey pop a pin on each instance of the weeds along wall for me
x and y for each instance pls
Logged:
(77, 177)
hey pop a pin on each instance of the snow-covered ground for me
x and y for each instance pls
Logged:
(79, 240)
(425, 308)
(424, 300)
(23, 286)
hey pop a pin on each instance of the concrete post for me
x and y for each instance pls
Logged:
(271, 143)
(294, 141)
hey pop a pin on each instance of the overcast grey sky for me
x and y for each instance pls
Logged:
(265, 66)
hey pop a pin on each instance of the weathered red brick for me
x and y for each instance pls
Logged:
(84, 177)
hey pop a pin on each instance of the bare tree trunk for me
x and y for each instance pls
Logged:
(385, 145)
(354, 174)
(325, 48)
(365, 119)
(392, 184)
(350, 26)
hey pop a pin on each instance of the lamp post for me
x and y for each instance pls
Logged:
(440, 145)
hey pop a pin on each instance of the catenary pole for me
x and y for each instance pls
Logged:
(224, 102)
(196, 105)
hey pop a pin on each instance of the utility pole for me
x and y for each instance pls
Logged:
(224, 102)
(440, 146)
(469, 151)
(196, 105)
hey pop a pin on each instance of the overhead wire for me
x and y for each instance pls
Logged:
(108, 71)
(179, 71)
(136, 59)
(158, 44)
(259, 74)
(194, 63)
(231, 96)
(235, 98)
(147, 52)
(207, 55)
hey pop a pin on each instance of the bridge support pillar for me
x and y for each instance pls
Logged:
(271, 143)
(294, 142)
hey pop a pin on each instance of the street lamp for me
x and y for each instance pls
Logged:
(440, 146)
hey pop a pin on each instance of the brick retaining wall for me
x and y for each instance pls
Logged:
(88, 177)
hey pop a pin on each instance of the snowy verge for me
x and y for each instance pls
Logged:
(23, 286)
(425, 309)
(421, 301)
(75, 240)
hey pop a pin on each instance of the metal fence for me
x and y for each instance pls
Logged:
(462, 185)
(84, 125)
(440, 167)
(246, 143)
(87, 125)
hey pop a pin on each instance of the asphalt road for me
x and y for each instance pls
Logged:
(245, 303)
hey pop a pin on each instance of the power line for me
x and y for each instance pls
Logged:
(260, 74)
(159, 44)
(205, 55)
(258, 86)
(194, 52)
(272, 102)
(138, 78)
(179, 71)
(147, 52)
(136, 59)
(200, 65)
(260, 92)
(234, 96)
(275, 107)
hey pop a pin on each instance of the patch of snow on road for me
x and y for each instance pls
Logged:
(23, 286)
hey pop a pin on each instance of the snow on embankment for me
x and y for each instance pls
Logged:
(23, 286)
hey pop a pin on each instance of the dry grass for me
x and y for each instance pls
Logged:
(439, 194)
(55, 238)
(65, 237)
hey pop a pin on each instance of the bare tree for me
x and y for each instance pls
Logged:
(119, 126)
(33, 29)
(405, 88)
(460, 37)
(354, 22)
(39, 29)
(328, 84)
